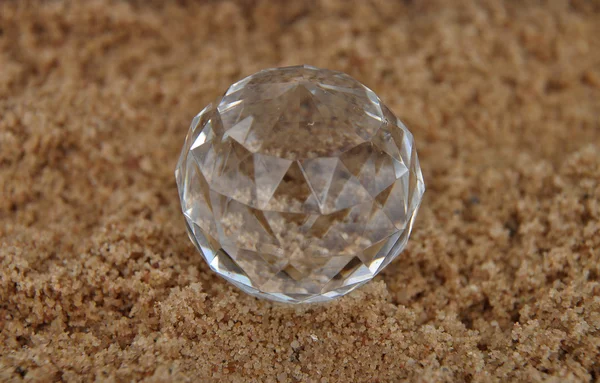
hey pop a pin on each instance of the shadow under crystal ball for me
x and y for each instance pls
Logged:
(299, 184)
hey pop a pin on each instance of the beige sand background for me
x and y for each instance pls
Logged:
(500, 282)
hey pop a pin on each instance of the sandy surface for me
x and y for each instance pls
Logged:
(500, 282)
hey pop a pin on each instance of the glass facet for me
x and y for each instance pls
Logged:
(299, 184)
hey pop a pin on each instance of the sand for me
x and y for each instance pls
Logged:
(500, 280)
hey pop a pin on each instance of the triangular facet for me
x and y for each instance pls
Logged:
(255, 266)
(379, 226)
(344, 191)
(247, 227)
(351, 267)
(333, 267)
(372, 167)
(233, 174)
(375, 254)
(393, 202)
(227, 267)
(361, 274)
(268, 173)
(196, 195)
(319, 174)
(290, 281)
(384, 141)
(293, 193)
(323, 223)
(205, 242)
(206, 124)
(239, 131)
(357, 159)
(220, 205)
(301, 106)
(396, 244)
(416, 187)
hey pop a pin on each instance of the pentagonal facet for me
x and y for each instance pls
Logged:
(299, 185)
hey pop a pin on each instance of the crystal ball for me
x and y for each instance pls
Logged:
(298, 184)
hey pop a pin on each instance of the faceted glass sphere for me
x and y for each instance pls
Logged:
(299, 184)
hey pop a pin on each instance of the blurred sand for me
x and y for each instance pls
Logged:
(500, 282)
